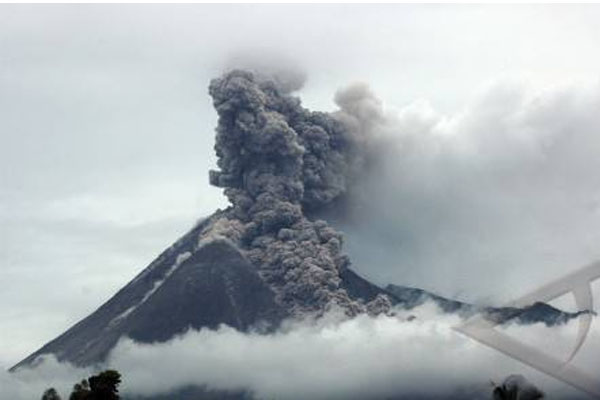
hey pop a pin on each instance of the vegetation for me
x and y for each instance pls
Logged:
(103, 386)
(51, 394)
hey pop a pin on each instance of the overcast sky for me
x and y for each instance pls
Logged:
(107, 134)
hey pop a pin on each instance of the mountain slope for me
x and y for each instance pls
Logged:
(190, 285)
(201, 281)
(537, 312)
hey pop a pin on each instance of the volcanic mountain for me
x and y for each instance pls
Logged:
(264, 258)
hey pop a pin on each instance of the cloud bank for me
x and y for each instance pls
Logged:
(365, 357)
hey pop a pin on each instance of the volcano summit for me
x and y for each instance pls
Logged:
(265, 258)
(262, 259)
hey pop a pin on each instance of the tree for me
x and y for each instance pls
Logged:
(103, 386)
(81, 391)
(516, 387)
(51, 394)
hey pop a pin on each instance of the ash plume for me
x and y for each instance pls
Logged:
(360, 110)
(279, 161)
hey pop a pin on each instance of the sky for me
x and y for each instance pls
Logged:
(487, 188)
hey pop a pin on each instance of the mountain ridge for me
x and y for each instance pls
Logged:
(538, 312)
(216, 285)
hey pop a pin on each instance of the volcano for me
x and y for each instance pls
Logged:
(198, 282)
(263, 259)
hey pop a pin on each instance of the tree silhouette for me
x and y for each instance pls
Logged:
(103, 386)
(51, 394)
(81, 391)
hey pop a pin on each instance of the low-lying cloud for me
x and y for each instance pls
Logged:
(364, 357)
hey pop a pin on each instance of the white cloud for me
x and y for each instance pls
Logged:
(360, 358)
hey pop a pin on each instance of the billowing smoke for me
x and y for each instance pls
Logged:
(499, 193)
(485, 203)
(267, 143)
(277, 161)
(360, 111)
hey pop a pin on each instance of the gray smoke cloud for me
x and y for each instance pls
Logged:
(277, 160)
(264, 134)
(360, 110)
(501, 193)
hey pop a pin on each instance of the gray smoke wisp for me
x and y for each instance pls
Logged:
(277, 162)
